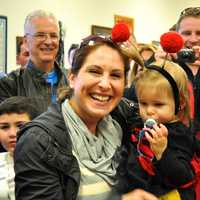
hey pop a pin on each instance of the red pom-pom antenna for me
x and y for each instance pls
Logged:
(120, 32)
(171, 42)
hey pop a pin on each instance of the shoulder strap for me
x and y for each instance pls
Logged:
(54, 127)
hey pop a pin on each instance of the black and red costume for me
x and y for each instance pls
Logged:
(173, 171)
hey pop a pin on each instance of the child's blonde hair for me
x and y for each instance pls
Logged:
(158, 80)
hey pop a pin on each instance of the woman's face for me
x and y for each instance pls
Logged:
(99, 85)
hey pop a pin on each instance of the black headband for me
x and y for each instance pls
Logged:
(172, 83)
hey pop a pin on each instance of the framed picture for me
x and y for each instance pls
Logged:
(101, 30)
(3, 43)
(127, 20)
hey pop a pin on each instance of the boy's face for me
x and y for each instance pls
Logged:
(9, 125)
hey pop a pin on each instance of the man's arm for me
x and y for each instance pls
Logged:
(8, 87)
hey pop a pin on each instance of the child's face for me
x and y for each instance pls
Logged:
(157, 105)
(9, 125)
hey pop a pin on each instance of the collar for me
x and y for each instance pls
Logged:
(36, 71)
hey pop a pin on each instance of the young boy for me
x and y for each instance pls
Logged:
(14, 112)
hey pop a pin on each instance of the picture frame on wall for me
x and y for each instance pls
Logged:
(124, 19)
(100, 30)
(3, 44)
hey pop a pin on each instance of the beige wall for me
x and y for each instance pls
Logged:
(152, 17)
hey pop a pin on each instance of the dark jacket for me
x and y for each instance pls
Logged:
(195, 80)
(130, 93)
(44, 164)
(30, 82)
(172, 171)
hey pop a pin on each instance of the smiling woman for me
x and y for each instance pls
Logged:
(98, 85)
(87, 136)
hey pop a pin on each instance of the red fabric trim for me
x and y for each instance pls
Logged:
(136, 130)
(191, 99)
(198, 135)
(133, 138)
(146, 165)
(196, 166)
(146, 150)
(187, 185)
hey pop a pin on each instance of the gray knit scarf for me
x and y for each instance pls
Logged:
(95, 152)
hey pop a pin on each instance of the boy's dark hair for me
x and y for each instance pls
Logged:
(19, 105)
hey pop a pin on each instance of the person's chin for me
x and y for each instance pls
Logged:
(101, 109)
(11, 149)
(100, 112)
(48, 59)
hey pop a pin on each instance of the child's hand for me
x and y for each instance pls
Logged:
(157, 138)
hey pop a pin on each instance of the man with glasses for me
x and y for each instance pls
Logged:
(42, 76)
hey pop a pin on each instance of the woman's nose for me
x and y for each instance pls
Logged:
(104, 82)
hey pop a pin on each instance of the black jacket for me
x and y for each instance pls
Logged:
(172, 171)
(195, 80)
(30, 82)
(44, 165)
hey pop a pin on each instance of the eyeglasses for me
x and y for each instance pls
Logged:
(40, 36)
(93, 39)
(191, 11)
